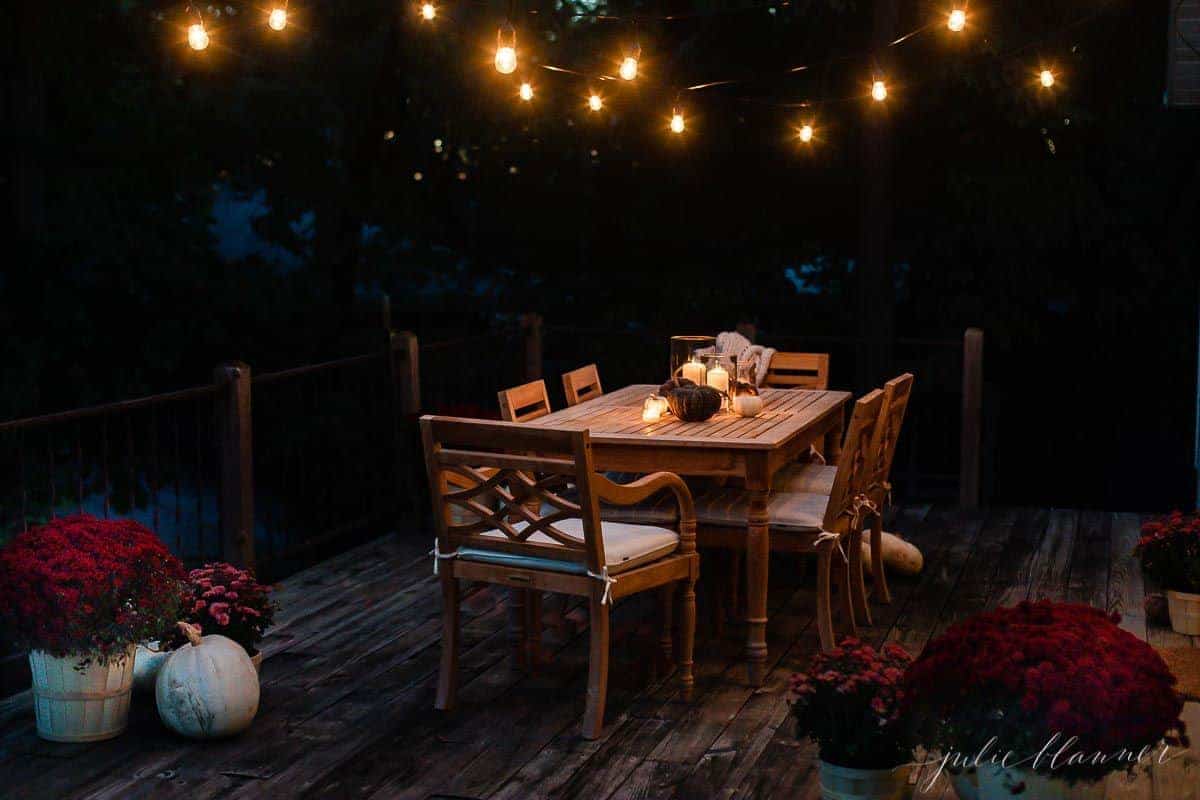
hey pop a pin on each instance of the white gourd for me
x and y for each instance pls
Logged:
(208, 688)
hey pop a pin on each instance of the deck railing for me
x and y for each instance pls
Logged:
(279, 469)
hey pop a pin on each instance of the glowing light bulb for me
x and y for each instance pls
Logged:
(526, 92)
(676, 122)
(629, 68)
(506, 60)
(957, 20)
(197, 36)
(1046, 78)
(595, 102)
(879, 91)
(428, 11)
(806, 133)
(277, 19)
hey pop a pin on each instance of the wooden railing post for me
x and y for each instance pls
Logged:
(531, 326)
(404, 358)
(404, 373)
(972, 419)
(237, 463)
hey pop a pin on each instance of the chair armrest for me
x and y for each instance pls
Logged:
(627, 494)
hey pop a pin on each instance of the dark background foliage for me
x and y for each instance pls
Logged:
(1063, 223)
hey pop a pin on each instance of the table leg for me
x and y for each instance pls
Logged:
(758, 553)
(833, 440)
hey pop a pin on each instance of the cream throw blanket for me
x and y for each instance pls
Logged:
(742, 349)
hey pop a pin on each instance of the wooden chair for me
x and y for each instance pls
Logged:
(818, 478)
(559, 546)
(798, 371)
(525, 402)
(582, 384)
(808, 522)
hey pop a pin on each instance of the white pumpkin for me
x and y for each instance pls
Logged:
(208, 688)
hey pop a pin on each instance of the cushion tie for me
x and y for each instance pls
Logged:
(438, 555)
(608, 580)
(826, 536)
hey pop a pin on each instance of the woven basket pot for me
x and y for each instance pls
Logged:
(844, 783)
(80, 705)
(1184, 609)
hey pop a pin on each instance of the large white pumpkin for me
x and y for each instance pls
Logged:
(208, 688)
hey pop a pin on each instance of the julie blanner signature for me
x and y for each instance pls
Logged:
(1058, 752)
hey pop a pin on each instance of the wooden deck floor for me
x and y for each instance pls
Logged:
(347, 703)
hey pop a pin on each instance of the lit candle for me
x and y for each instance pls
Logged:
(718, 378)
(747, 405)
(651, 410)
(694, 371)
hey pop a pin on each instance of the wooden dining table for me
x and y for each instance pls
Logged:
(726, 445)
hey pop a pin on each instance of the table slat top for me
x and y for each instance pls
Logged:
(616, 418)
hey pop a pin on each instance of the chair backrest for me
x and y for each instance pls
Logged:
(582, 384)
(855, 467)
(798, 371)
(525, 402)
(511, 472)
(896, 393)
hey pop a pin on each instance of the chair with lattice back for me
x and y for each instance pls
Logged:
(553, 543)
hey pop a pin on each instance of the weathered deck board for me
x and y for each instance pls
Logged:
(348, 684)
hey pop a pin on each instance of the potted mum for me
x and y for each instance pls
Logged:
(850, 703)
(229, 601)
(79, 593)
(1170, 553)
(1042, 696)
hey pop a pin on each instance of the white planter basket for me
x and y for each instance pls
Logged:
(844, 783)
(80, 705)
(997, 783)
(1184, 609)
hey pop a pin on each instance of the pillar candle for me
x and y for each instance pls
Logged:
(718, 378)
(694, 371)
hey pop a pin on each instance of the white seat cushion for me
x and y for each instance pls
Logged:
(788, 511)
(625, 546)
(812, 478)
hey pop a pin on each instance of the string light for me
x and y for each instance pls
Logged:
(428, 11)
(506, 49)
(677, 125)
(197, 36)
(277, 19)
(595, 102)
(957, 20)
(629, 65)
(879, 91)
(526, 91)
(805, 133)
(1046, 78)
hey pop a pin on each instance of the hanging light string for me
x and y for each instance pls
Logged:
(870, 77)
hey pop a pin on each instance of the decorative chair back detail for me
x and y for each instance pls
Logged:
(896, 394)
(525, 402)
(798, 371)
(855, 467)
(511, 475)
(582, 384)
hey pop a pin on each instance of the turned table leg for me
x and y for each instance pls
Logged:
(758, 552)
